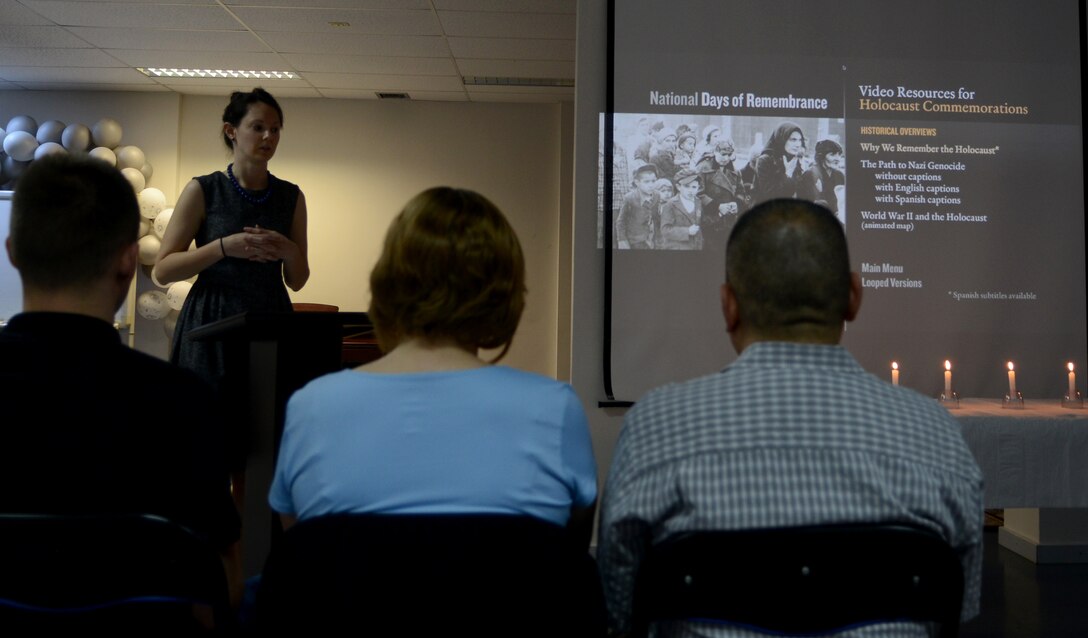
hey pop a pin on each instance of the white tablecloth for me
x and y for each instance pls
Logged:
(1034, 457)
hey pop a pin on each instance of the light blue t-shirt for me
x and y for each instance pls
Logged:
(486, 440)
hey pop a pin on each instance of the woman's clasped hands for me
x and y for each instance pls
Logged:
(259, 244)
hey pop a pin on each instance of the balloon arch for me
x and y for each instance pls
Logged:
(25, 141)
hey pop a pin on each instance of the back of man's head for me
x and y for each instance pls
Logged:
(788, 267)
(70, 218)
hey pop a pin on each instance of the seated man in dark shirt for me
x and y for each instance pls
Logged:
(90, 425)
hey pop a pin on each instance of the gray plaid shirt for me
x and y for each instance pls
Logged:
(789, 434)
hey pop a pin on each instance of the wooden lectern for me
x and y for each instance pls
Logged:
(269, 355)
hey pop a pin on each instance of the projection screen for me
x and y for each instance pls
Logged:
(959, 181)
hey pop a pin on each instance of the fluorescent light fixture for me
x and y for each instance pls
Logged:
(476, 80)
(217, 73)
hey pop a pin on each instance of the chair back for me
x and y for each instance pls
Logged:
(801, 581)
(382, 575)
(115, 572)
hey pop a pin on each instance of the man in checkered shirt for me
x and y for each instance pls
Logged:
(794, 432)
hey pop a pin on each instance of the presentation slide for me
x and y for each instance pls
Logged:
(946, 137)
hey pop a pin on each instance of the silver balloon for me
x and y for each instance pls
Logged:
(76, 138)
(23, 123)
(50, 131)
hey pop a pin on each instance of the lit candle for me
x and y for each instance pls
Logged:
(1072, 382)
(1012, 381)
(948, 379)
(895, 373)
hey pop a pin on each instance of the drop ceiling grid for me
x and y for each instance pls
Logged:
(421, 47)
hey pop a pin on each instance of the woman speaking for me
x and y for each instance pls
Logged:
(250, 233)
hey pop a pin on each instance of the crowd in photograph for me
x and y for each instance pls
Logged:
(683, 187)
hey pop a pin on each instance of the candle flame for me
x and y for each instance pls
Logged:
(1010, 365)
(895, 366)
(947, 364)
(1070, 366)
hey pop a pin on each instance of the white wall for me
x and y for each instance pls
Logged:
(358, 163)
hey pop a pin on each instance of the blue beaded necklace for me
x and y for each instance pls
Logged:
(243, 192)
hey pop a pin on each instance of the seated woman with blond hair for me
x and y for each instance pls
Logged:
(431, 428)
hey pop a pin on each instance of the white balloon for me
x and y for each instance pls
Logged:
(169, 322)
(152, 201)
(23, 123)
(152, 305)
(149, 249)
(106, 132)
(3, 134)
(145, 227)
(147, 170)
(104, 154)
(51, 131)
(177, 293)
(20, 145)
(134, 177)
(76, 137)
(130, 157)
(49, 148)
(162, 220)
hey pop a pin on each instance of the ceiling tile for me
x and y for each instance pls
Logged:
(335, 4)
(203, 2)
(83, 86)
(12, 12)
(512, 48)
(416, 46)
(35, 36)
(382, 82)
(169, 40)
(72, 75)
(518, 68)
(361, 22)
(132, 14)
(347, 44)
(385, 65)
(520, 6)
(507, 25)
(244, 60)
(416, 96)
(57, 57)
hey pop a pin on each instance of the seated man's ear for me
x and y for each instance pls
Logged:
(729, 308)
(855, 297)
(127, 263)
(11, 253)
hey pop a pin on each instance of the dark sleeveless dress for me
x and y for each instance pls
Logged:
(232, 285)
